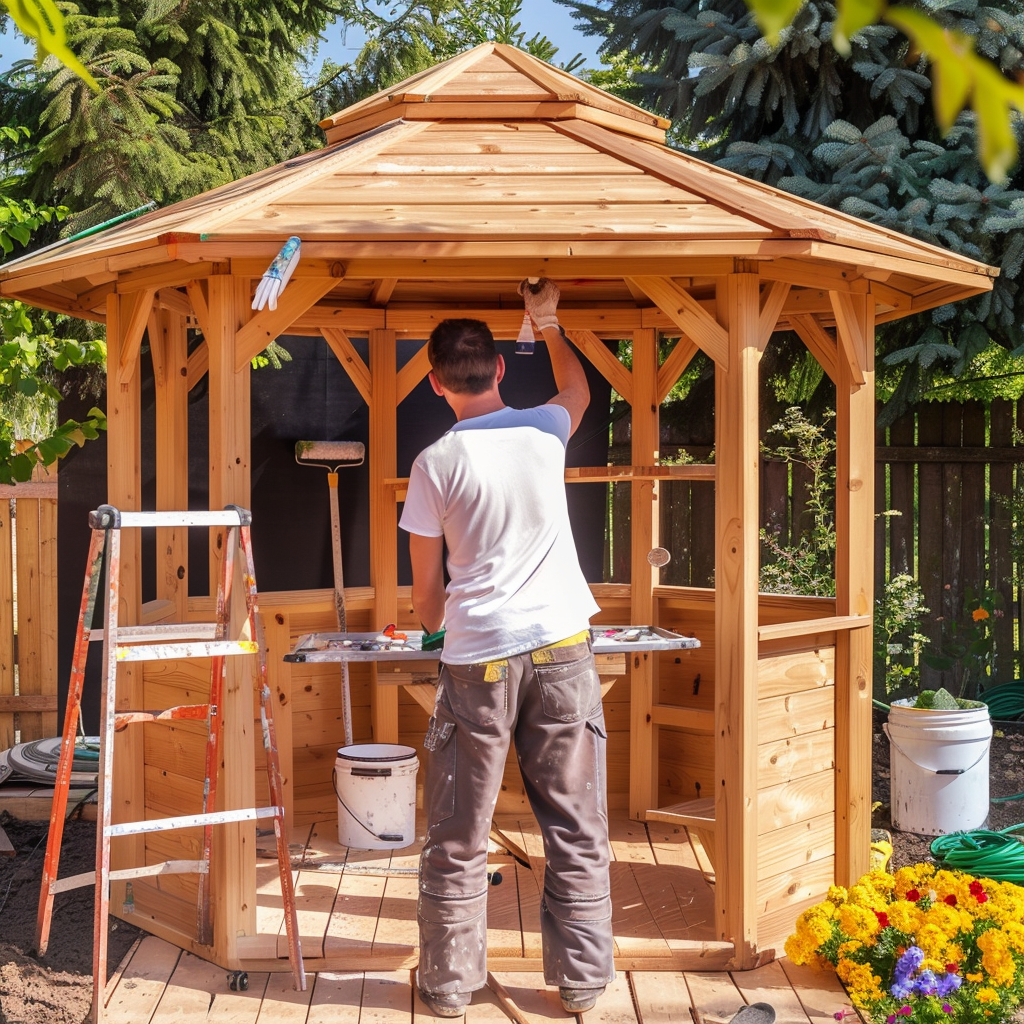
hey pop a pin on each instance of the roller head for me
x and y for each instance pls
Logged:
(329, 453)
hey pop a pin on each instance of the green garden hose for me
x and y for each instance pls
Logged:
(984, 854)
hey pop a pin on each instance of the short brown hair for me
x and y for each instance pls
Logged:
(462, 356)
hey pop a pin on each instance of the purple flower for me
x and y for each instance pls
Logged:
(946, 1008)
(905, 1011)
(926, 984)
(947, 984)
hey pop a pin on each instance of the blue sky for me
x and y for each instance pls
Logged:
(545, 16)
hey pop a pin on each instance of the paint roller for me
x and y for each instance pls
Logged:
(332, 456)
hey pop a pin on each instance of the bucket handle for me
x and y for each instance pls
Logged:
(386, 837)
(934, 771)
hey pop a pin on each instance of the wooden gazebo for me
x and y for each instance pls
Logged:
(435, 198)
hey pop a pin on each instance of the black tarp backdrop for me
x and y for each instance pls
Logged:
(310, 398)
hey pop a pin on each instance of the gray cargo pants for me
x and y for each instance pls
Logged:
(550, 701)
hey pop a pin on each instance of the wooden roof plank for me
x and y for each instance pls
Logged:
(270, 324)
(689, 315)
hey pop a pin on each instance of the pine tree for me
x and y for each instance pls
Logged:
(854, 132)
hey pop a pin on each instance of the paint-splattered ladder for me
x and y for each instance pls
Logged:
(148, 643)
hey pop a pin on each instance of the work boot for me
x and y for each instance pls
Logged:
(577, 1000)
(452, 1004)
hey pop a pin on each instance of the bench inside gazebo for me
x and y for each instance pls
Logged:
(739, 779)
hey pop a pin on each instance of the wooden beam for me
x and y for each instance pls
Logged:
(124, 491)
(198, 363)
(197, 292)
(169, 338)
(674, 366)
(233, 868)
(855, 518)
(164, 275)
(7, 527)
(412, 373)
(135, 310)
(736, 578)
(689, 315)
(774, 300)
(173, 298)
(850, 334)
(157, 345)
(382, 291)
(819, 344)
(383, 460)
(644, 510)
(270, 324)
(606, 362)
(351, 361)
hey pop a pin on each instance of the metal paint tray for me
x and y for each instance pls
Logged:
(612, 639)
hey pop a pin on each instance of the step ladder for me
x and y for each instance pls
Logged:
(150, 643)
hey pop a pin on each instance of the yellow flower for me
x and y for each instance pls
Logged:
(978, 614)
(857, 922)
(996, 957)
(975, 979)
(987, 995)
(904, 917)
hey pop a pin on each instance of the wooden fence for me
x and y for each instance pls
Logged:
(948, 469)
(28, 610)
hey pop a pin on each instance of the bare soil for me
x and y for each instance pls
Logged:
(57, 988)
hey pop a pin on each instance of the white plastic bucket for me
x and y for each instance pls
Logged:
(938, 768)
(375, 784)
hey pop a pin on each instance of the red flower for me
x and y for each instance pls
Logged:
(951, 900)
(982, 897)
(883, 918)
(952, 968)
(913, 895)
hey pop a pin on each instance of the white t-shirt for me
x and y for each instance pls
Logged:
(494, 488)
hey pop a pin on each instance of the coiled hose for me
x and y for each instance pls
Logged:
(984, 854)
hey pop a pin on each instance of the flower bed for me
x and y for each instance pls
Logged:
(921, 945)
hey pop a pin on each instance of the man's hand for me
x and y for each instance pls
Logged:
(541, 302)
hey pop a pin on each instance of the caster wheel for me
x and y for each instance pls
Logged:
(495, 878)
(238, 981)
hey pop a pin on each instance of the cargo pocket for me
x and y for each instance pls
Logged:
(477, 693)
(439, 780)
(570, 690)
(598, 733)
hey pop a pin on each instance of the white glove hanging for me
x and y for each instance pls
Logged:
(278, 274)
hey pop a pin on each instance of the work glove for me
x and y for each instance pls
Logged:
(541, 300)
(278, 274)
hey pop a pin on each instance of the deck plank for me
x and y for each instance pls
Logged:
(387, 998)
(315, 893)
(530, 1000)
(397, 930)
(336, 997)
(283, 1003)
(353, 919)
(695, 897)
(714, 993)
(769, 984)
(662, 997)
(142, 983)
(636, 932)
(269, 912)
(504, 929)
(529, 911)
(820, 992)
(615, 1006)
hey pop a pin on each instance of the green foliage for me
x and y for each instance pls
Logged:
(43, 22)
(855, 131)
(899, 642)
(967, 645)
(806, 566)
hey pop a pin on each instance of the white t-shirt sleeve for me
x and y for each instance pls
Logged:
(423, 513)
(554, 419)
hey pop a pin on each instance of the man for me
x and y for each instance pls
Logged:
(516, 662)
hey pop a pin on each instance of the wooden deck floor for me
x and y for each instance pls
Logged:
(357, 909)
(159, 984)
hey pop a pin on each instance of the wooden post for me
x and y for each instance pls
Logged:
(233, 866)
(855, 505)
(124, 492)
(736, 587)
(383, 519)
(168, 344)
(643, 745)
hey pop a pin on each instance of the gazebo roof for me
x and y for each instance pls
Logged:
(494, 165)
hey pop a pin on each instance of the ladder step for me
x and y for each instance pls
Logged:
(134, 828)
(167, 867)
(183, 711)
(225, 517)
(211, 649)
(167, 631)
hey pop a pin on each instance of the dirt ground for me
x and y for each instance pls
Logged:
(57, 988)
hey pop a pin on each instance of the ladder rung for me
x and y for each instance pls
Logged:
(167, 867)
(168, 631)
(183, 711)
(134, 828)
(208, 649)
(225, 517)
